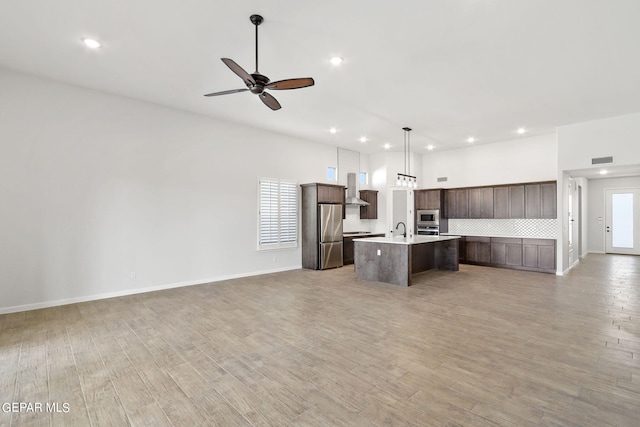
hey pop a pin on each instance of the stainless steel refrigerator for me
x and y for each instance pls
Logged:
(330, 235)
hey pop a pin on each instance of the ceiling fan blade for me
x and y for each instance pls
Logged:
(248, 80)
(270, 101)
(291, 84)
(226, 92)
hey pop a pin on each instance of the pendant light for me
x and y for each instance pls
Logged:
(406, 179)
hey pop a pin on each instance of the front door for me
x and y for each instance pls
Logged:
(622, 221)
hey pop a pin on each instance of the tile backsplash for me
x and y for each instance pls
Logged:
(526, 228)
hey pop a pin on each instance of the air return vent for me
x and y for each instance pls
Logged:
(601, 160)
(443, 179)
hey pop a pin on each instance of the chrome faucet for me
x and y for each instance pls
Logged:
(405, 228)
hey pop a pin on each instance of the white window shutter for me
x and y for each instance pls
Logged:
(278, 222)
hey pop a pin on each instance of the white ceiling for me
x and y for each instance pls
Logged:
(448, 69)
(609, 172)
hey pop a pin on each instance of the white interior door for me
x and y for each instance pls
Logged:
(622, 221)
(574, 222)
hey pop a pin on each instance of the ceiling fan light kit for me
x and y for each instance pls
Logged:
(257, 83)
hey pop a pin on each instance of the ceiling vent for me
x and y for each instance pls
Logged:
(601, 160)
(443, 179)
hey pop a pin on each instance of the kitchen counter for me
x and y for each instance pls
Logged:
(395, 259)
(503, 236)
(414, 240)
(359, 233)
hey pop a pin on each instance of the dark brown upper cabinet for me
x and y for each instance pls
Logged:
(534, 200)
(548, 200)
(481, 202)
(540, 200)
(369, 211)
(457, 203)
(428, 199)
(508, 201)
(329, 193)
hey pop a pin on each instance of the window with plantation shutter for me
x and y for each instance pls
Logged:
(278, 215)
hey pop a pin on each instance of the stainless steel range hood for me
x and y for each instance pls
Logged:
(351, 198)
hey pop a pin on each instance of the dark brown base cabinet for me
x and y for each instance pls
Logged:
(506, 252)
(539, 254)
(478, 250)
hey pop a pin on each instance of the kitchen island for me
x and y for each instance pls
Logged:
(395, 259)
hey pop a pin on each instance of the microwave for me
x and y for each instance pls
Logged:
(428, 217)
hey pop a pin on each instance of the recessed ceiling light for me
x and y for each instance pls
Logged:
(604, 172)
(333, 130)
(363, 139)
(387, 146)
(93, 44)
(521, 131)
(336, 60)
(430, 147)
(471, 140)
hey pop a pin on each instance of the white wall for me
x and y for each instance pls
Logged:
(379, 181)
(103, 195)
(617, 136)
(521, 160)
(596, 208)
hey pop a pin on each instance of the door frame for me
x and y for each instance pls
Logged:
(574, 225)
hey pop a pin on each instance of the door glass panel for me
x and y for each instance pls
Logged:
(622, 220)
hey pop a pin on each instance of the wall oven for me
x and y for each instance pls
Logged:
(428, 231)
(428, 222)
(428, 217)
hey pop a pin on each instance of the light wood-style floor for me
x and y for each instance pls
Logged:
(479, 347)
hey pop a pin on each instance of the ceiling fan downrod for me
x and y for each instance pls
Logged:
(256, 20)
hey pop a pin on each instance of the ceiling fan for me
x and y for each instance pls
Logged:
(258, 83)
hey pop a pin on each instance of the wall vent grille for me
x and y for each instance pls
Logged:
(443, 179)
(601, 160)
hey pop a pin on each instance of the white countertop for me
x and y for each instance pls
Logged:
(415, 240)
(496, 235)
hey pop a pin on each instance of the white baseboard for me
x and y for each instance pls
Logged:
(576, 262)
(596, 252)
(95, 297)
